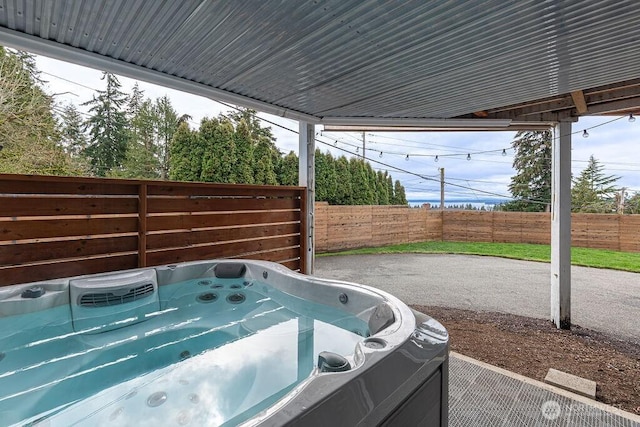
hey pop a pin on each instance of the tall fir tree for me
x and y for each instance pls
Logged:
(593, 191)
(167, 121)
(72, 135)
(531, 186)
(134, 103)
(107, 127)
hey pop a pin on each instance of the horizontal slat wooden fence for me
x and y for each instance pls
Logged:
(346, 227)
(56, 227)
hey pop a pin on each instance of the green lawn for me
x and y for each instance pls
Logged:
(599, 258)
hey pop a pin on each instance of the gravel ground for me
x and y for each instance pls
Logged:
(603, 300)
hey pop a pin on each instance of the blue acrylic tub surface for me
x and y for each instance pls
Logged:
(216, 353)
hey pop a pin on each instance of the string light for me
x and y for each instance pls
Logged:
(469, 156)
(436, 159)
(504, 151)
(407, 158)
(357, 149)
(380, 155)
(585, 134)
(631, 118)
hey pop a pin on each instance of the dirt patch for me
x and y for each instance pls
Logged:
(531, 346)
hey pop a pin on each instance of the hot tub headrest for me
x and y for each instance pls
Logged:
(381, 318)
(229, 270)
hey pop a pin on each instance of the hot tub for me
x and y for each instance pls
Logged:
(217, 343)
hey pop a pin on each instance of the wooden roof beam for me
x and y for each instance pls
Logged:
(579, 101)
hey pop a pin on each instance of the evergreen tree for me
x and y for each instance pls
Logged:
(326, 177)
(72, 135)
(108, 127)
(29, 138)
(252, 123)
(262, 136)
(632, 205)
(372, 179)
(167, 121)
(139, 163)
(186, 155)
(594, 191)
(344, 191)
(134, 103)
(219, 151)
(288, 170)
(362, 193)
(531, 185)
(143, 126)
(399, 197)
(390, 187)
(244, 153)
(264, 170)
(383, 191)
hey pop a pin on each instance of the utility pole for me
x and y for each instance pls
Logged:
(621, 201)
(441, 189)
(364, 145)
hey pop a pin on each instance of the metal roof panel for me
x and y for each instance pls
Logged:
(343, 58)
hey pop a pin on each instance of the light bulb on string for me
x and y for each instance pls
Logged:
(504, 151)
(335, 143)
(436, 159)
(631, 118)
(469, 156)
(585, 134)
(407, 158)
(357, 149)
(380, 155)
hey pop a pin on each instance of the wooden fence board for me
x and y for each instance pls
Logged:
(65, 227)
(176, 204)
(43, 251)
(34, 206)
(162, 239)
(187, 222)
(218, 250)
(10, 275)
(33, 184)
(196, 189)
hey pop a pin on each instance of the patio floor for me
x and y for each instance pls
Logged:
(484, 395)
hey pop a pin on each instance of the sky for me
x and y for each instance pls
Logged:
(613, 141)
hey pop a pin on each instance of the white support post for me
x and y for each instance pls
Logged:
(307, 178)
(561, 226)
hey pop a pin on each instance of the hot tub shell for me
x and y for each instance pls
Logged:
(399, 374)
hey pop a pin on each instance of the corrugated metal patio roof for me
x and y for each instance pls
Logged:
(352, 61)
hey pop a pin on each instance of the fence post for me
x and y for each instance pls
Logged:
(142, 225)
(304, 243)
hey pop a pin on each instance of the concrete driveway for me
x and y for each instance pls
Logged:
(603, 300)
